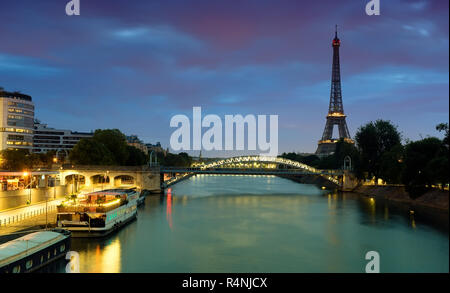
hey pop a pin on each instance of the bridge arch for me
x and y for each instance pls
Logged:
(100, 179)
(74, 177)
(124, 180)
(241, 164)
(259, 159)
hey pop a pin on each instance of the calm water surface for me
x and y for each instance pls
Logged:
(263, 224)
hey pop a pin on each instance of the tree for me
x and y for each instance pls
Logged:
(391, 165)
(310, 160)
(89, 151)
(373, 140)
(115, 141)
(21, 159)
(136, 157)
(14, 160)
(425, 165)
(175, 160)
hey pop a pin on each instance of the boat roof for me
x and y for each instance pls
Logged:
(26, 242)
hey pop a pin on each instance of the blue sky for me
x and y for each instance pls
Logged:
(132, 65)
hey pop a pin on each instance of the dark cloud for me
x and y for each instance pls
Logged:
(148, 60)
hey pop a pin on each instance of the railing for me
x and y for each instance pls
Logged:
(15, 216)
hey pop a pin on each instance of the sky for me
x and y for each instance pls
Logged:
(133, 65)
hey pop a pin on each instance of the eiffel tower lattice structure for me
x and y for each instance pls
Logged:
(336, 116)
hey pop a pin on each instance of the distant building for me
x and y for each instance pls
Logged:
(51, 139)
(155, 148)
(16, 120)
(134, 140)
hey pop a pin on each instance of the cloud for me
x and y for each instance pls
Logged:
(26, 66)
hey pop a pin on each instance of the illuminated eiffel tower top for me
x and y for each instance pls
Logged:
(336, 93)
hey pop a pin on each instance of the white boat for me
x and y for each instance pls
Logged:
(33, 251)
(98, 213)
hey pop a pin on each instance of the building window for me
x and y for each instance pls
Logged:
(16, 269)
(29, 264)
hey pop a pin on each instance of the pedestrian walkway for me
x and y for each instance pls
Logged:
(28, 215)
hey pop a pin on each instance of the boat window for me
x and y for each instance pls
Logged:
(42, 258)
(62, 248)
(54, 252)
(29, 264)
(16, 269)
(48, 255)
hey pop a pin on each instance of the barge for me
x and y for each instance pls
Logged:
(33, 251)
(98, 213)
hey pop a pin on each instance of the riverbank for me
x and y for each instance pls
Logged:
(433, 199)
(431, 207)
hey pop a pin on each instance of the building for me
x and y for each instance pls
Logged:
(59, 140)
(133, 140)
(336, 116)
(156, 148)
(16, 120)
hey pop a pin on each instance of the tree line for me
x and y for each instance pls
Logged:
(105, 147)
(380, 154)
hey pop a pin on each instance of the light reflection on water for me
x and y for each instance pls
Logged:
(264, 224)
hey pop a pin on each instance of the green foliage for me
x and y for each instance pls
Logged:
(426, 164)
(107, 147)
(116, 142)
(374, 140)
(310, 160)
(89, 151)
(174, 160)
(444, 127)
(136, 157)
(334, 161)
(391, 165)
(21, 159)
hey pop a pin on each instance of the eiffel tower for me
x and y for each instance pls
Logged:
(336, 116)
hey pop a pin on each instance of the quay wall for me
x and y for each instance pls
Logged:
(433, 199)
(16, 198)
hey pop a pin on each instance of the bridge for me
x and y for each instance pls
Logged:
(93, 178)
(255, 165)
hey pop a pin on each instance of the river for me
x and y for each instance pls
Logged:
(211, 223)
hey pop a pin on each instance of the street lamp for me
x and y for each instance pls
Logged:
(25, 174)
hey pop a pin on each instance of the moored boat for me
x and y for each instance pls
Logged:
(98, 213)
(33, 251)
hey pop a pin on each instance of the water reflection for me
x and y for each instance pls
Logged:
(97, 256)
(264, 224)
(169, 207)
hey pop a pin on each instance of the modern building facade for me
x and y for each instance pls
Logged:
(59, 140)
(16, 120)
(336, 116)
